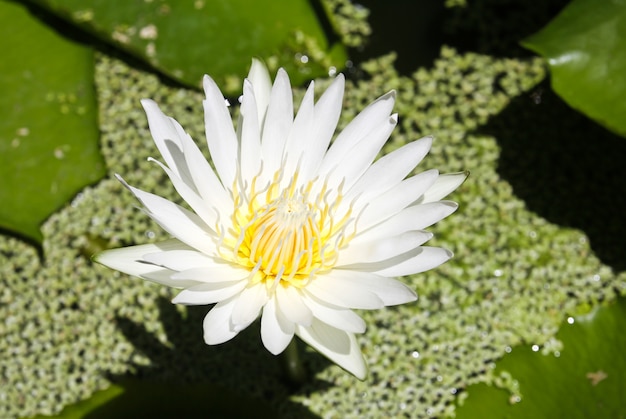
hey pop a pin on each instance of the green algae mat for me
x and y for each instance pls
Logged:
(527, 313)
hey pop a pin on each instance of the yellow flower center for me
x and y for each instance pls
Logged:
(285, 236)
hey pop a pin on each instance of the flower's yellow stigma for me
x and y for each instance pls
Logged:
(285, 236)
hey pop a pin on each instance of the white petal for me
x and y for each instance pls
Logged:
(166, 137)
(444, 185)
(164, 277)
(381, 249)
(338, 346)
(424, 259)
(179, 260)
(416, 217)
(278, 121)
(262, 84)
(326, 115)
(216, 324)
(363, 153)
(206, 182)
(222, 272)
(209, 293)
(250, 302)
(388, 290)
(341, 318)
(396, 199)
(129, 259)
(290, 304)
(276, 331)
(364, 123)
(176, 220)
(250, 148)
(220, 133)
(390, 169)
(208, 214)
(335, 289)
(301, 135)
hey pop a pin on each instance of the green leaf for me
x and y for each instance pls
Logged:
(586, 380)
(133, 399)
(585, 47)
(48, 131)
(187, 39)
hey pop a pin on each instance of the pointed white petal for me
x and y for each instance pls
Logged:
(338, 289)
(301, 135)
(216, 324)
(416, 217)
(396, 199)
(208, 214)
(206, 182)
(278, 122)
(376, 114)
(362, 154)
(129, 259)
(250, 302)
(381, 249)
(341, 318)
(338, 346)
(179, 260)
(276, 331)
(326, 115)
(423, 259)
(262, 84)
(165, 135)
(444, 185)
(250, 147)
(290, 303)
(388, 290)
(390, 170)
(176, 220)
(217, 272)
(164, 277)
(220, 133)
(209, 293)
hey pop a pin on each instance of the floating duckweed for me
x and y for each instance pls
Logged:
(349, 20)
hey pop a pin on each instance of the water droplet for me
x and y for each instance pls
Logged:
(535, 348)
(148, 32)
(59, 153)
(570, 320)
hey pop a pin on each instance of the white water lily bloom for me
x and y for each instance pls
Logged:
(287, 227)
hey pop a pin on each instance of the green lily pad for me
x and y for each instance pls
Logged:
(48, 131)
(585, 46)
(134, 399)
(586, 380)
(187, 39)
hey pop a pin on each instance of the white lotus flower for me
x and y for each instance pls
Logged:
(287, 227)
